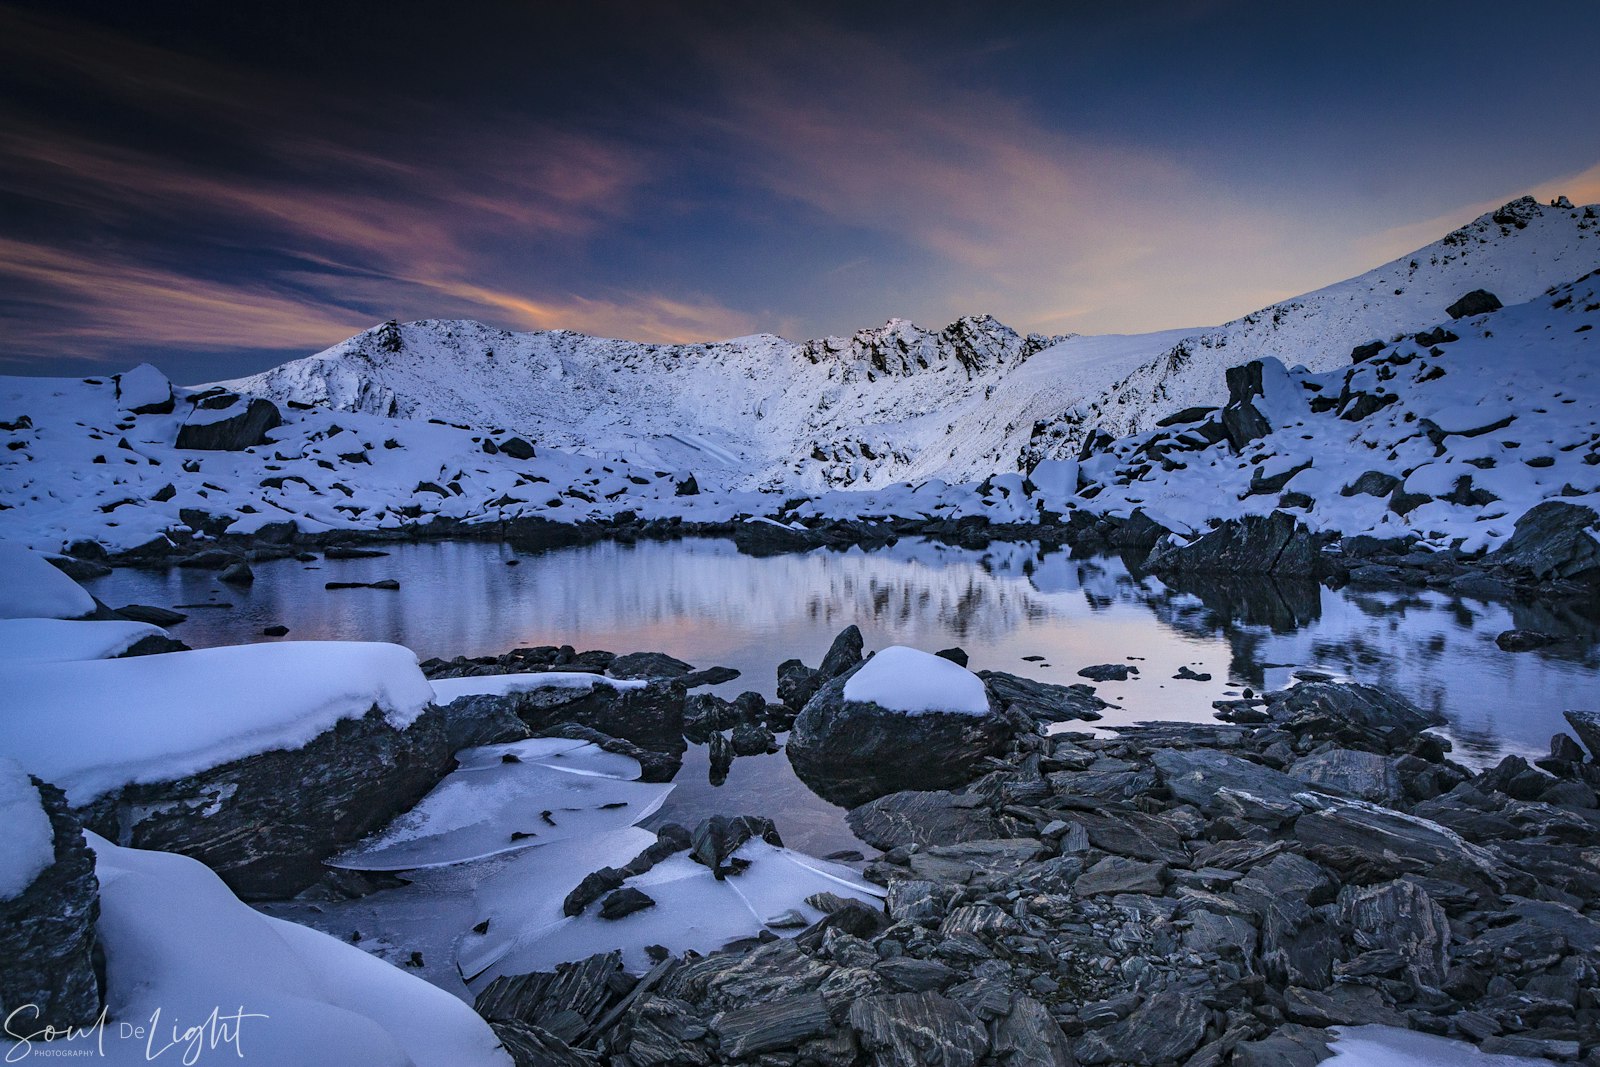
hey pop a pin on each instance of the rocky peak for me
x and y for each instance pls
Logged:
(977, 343)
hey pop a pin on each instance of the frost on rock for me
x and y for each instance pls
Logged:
(915, 682)
(692, 910)
(94, 726)
(179, 943)
(30, 844)
(33, 589)
(504, 798)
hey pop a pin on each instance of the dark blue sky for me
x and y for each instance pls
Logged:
(220, 187)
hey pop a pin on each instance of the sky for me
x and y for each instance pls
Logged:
(217, 188)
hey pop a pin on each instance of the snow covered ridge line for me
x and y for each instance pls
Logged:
(899, 403)
(1447, 435)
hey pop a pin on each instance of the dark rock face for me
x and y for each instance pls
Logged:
(265, 823)
(1166, 1027)
(47, 933)
(1477, 302)
(246, 429)
(1041, 701)
(771, 539)
(1270, 544)
(850, 752)
(1551, 542)
(1242, 422)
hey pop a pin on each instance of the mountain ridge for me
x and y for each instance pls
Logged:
(899, 402)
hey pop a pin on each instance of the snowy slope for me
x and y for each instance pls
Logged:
(900, 403)
(79, 465)
(752, 412)
(1515, 252)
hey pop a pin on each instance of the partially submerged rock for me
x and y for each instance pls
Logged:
(850, 748)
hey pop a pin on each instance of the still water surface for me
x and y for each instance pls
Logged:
(704, 602)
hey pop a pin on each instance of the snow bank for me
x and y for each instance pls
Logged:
(90, 727)
(180, 946)
(30, 844)
(448, 690)
(61, 640)
(32, 588)
(907, 680)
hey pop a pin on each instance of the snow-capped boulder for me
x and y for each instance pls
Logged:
(34, 589)
(228, 423)
(904, 719)
(49, 902)
(144, 391)
(259, 760)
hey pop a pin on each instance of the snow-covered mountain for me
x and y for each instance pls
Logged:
(898, 402)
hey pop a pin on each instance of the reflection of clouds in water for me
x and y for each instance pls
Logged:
(705, 602)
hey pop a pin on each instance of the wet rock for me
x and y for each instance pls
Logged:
(245, 427)
(47, 933)
(648, 665)
(1270, 544)
(565, 1002)
(1350, 712)
(958, 656)
(1524, 640)
(265, 823)
(750, 740)
(1166, 1027)
(850, 752)
(153, 615)
(1552, 541)
(1108, 672)
(1586, 724)
(1187, 674)
(237, 574)
(797, 683)
(913, 1029)
(1042, 701)
(843, 655)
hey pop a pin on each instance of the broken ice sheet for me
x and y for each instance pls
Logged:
(507, 797)
(692, 911)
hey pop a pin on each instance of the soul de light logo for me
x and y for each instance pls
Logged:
(159, 1040)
